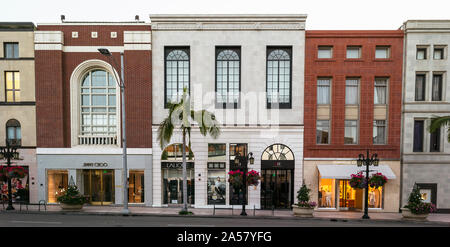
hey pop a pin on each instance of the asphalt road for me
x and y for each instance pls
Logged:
(60, 220)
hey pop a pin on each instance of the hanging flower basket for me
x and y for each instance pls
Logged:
(377, 180)
(12, 172)
(253, 178)
(236, 178)
(358, 181)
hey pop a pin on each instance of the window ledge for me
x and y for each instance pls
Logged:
(382, 60)
(325, 60)
(353, 60)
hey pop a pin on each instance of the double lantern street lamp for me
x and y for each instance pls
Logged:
(121, 84)
(242, 161)
(9, 153)
(366, 161)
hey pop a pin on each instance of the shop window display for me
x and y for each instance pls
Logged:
(375, 197)
(136, 187)
(57, 182)
(235, 149)
(216, 183)
(327, 195)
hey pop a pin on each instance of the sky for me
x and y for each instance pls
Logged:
(322, 14)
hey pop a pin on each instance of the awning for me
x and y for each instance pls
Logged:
(344, 171)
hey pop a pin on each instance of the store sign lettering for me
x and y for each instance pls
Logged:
(95, 165)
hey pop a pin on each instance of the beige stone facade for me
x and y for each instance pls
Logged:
(23, 108)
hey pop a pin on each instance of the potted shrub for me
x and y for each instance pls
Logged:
(304, 208)
(377, 180)
(358, 181)
(416, 208)
(72, 199)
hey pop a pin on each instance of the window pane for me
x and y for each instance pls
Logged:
(418, 136)
(437, 88)
(421, 53)
(420, 88)
(438, 53)
(382, 52)
(9, 96)
(327, 189)
(375, 198)
(379, 132)
(435, 141)
(324, 52)
(380, 91)
(322, 132)
(323, 91)
(351, 132)
(351, 91)
(278, 76)
(98, 78)
(216, 183)
(353, 52)
(9, 80)
(11, 133)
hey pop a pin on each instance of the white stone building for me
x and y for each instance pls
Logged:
(249, 71)
(426, 94)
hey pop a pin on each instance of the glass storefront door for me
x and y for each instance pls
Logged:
(276, 188)
(99, 186)
(173, 185)
(349, 198)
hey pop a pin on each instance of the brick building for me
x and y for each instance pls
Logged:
(353, 91)
(78, 109)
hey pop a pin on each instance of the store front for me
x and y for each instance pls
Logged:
(172, 175)
(277, 177)
(335, 192)
(99, 186)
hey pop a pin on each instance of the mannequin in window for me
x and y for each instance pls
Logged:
(328, 198)
(372, 198)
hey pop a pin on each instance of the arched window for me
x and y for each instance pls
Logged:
(177, 73)
(279, 77)
(98, 104)
(228, 77)
(277, 152)
(13, 133)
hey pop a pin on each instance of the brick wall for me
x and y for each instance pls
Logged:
(53, 72)
(366, 68)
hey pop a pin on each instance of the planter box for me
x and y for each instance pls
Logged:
(406, 213)
(70, 207)
(302, 212)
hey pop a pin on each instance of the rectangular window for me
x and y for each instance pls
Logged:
(57, 183)
(375, 199)
(12, 86)
(421, 53)
(327, 193)
(322, 132)
(382, 52)
(136, 187)
(435, 141)
(438, 53)
(353, 52)
(216, 183)
(177, 73)
(351, 91)
(217, 151)
(11, 50)
(436, 90)
(351, 132)
(325, 52)
(323, 91)
(279, 70)
(418, 136)
(420, 88)
(228, 79)
(379, 132)
(380, 91)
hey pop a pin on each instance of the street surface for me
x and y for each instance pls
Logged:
(61, 220)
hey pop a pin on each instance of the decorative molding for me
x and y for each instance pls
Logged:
(92, 150)
(137, 37)
(49, 37)
(91, 48)
(137, 47)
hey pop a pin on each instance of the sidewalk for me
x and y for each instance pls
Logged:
(173, 211)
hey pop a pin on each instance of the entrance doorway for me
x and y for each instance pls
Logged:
(276, 188)
(349, 198)
(277, 177)
(99, 186)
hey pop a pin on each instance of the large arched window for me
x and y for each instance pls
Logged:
(98, 104)
(279, 77)
(176, 73)
(13, 133)
(277, 152)
(228, 77)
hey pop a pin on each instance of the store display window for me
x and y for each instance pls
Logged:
(57, 182)
(375, 197)
(216, 183)
(136, 187)
(327, 193)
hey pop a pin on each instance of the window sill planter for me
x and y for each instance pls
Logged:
(71, 207)
(302, 211)
(408, 215)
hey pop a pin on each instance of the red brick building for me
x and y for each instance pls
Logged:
(353, 93)
(78, 108)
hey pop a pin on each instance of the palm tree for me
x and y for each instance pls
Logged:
(181, 115)
(438, 122)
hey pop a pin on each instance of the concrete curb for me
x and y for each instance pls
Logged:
(439, 223)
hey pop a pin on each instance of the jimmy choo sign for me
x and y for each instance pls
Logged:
(95, 164)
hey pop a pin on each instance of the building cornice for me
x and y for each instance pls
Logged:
(228, 22)
(354, 34)
(426, 26)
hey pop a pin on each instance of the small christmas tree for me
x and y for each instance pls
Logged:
(415, 198)
(303, 194)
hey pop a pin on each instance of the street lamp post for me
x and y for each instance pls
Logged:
(121, 84)
(243, 161)
(9, 153)
(373, 160)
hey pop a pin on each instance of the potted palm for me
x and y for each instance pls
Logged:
(416, 208)
(304, 208)
(71, 199)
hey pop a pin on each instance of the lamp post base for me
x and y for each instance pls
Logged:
(125, 211)
(10, 207)
(243, 213)
(366, 217)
